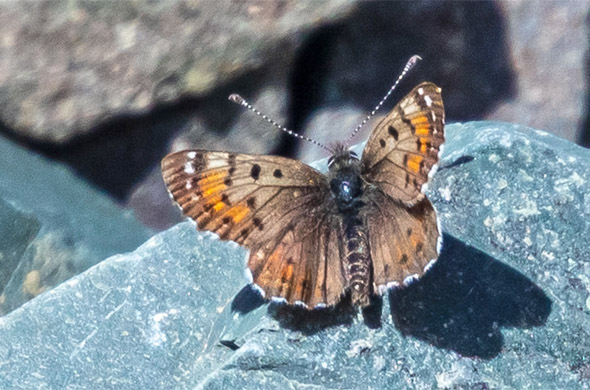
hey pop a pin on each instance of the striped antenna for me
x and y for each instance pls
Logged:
(242, 102)
(409, 65)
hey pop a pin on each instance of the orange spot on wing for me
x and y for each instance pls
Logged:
(413, 163)
(419, 120)
(238, 212)
(422, 148)
(266, 278)
(212, 178)
(422, 130)
(214, 190)
(218, 206)
(421, 125)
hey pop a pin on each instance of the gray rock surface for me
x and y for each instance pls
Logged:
(67, 66)
(173, 313)
(53, 225)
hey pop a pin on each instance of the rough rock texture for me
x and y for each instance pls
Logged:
(70, 65)
(548, 46)
(173, 314)
(53, 226)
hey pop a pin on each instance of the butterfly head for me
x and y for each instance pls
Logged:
(341, 158)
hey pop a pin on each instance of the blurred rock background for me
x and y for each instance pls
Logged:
(108, 88)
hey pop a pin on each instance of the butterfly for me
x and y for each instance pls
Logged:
(362, 228)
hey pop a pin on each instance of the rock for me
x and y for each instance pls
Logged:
(70, 66)
(55, 227)
(17, 230)
(174, 313)
(549, 49)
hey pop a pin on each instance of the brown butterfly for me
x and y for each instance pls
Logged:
(362, 227)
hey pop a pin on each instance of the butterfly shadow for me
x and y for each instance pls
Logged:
(296, 317)
(464, 300)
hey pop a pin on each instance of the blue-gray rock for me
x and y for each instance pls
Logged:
(17, 230)
(74, 225)
(506, 305)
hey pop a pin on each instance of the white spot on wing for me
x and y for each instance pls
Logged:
(189, 168)
(191, 155)
(248, 275)
(278, 299)
(421, 91)
(410, 279)
(392, 284)
(432, 171)
(439, 240)
(216, 163)
(188, 185)
(424, 188)
(429, 265)
(259, 289)
(428, 100)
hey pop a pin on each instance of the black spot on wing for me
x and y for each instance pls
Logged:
(225, 199)
(258, 223)
(255, 171)
(403, 259)
(393, 132)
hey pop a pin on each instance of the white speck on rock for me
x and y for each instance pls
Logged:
(527, 241)
(529, 209)
(494, 158)
(445, 192)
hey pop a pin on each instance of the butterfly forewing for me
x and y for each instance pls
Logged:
(404, 146)
(276, 207)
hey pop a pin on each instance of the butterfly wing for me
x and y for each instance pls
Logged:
(274, 206)
(402, 240)
(404, 147)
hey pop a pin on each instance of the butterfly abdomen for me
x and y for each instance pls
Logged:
(357, 261)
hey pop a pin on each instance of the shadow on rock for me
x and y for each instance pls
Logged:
(312, 321)
(304, 320)
(465, 299)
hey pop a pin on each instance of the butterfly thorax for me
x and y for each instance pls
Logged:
(345, 180)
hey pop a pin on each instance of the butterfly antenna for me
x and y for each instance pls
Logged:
(242, 102)
(409, 65)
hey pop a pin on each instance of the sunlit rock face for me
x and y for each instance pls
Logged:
(506, 301)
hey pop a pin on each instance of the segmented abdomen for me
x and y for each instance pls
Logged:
(357, 261)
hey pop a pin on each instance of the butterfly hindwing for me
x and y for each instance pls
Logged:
(403, 240)
(274, 206)
(303, 265)
(404, 147)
